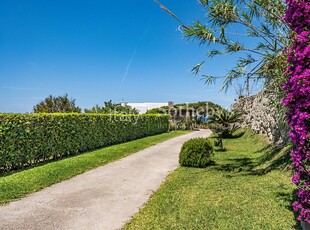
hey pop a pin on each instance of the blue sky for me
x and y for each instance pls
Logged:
(100, 50)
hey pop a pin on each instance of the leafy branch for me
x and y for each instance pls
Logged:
(261, 20)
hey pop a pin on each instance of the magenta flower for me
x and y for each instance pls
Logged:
(297, 101)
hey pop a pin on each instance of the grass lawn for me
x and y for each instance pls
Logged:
(19, 184)
(247, 187)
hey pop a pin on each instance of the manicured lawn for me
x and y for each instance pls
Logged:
(20, 184)
(247, 187)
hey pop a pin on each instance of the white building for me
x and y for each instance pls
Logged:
(143, 107)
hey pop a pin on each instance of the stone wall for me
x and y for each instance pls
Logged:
(260, 114)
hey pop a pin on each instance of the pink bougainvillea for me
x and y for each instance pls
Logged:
(297, 101)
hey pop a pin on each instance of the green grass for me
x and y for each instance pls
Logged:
(247, 187)
(17, 185)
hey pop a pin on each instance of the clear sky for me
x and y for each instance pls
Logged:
(97, 50)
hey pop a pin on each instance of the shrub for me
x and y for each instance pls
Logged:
(222, 132)
(196, 153)
(28, 139)
(297, 101)
(225, 123)
(180, 124)
(115, 108)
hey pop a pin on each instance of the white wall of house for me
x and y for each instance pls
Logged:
(143, 107)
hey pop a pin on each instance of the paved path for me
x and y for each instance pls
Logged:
(103, 198)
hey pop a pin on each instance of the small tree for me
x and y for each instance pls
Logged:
(60, 104)
(112, 108)
(224, 124)
(227, 22)
(227, 29)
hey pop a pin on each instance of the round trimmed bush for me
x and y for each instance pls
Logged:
(196, 153)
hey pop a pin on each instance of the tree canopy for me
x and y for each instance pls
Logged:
(201, 107)
(60, 104)
(111, 108)
(226, 23)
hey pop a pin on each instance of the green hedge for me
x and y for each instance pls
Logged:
(28, 139)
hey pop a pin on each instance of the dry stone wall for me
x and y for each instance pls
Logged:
(260, 114)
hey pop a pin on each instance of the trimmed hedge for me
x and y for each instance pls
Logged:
(29, 139)
(196, 153)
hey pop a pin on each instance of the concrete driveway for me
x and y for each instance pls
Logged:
(103, 198)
